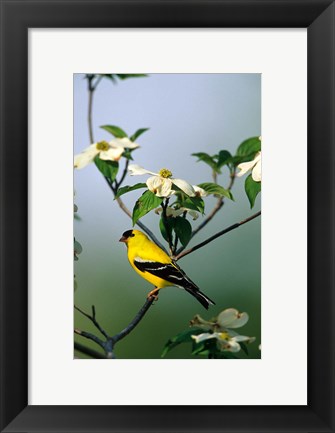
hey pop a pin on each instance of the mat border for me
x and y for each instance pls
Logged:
(16, 18)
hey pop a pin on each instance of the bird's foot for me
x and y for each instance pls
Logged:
(153, 294)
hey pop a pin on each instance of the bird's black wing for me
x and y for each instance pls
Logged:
(172, 273)
(167, 271)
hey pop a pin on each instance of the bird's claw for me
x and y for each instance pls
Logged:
(153, 295)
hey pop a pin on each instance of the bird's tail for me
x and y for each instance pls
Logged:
(201, 297)
(187, 284)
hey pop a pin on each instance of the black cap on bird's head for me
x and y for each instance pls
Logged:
(126, 235)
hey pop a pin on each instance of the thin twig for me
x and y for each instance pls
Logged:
(215, 210)
(110, 342)
(212, 238)
(118, 184)
(88, 351)
(93, 320)
(90, 336)
(91, 89)
(122, 206)
(139, 223)
(97, 82)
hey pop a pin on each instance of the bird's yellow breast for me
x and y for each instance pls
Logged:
(147, 250)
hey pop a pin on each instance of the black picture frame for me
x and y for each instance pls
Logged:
(17, 16)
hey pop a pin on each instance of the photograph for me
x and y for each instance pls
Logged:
(167, 183)
(135, 229)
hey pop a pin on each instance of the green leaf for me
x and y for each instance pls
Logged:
(138, 133)
(252, 189)
(125, 76)
(127, 154)
(223, 158)
(194, 203)
(183, 230)
(207, 159)
(114, 130)
(199, 348)
(77, 247)
(183, 337)
(249, 147)
(214, 188)
(145, 204)
(108, 168)
(166, 229)
(110, 77)
(128, 188)
(244, 347)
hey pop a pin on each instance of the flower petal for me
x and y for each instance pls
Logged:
(111, 154)
(257, 172)
(231, 346)
(203, 337)
(124, 143)
(194, 214)
(245, 167)
(199, 322)
(199, 192)
(184, 186)
(86, 156)
(160, 186)
(171, 212)
(231, 318)
(135, 170)
(239, 338)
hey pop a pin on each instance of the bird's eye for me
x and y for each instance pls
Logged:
(132, 235)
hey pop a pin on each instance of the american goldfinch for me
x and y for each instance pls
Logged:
(155, 266)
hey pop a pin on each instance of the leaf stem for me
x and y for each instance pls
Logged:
(118, 184)
(214, 211)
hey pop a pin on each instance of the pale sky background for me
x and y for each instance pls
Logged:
(186, 113)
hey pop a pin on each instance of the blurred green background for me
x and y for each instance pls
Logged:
(186, 113)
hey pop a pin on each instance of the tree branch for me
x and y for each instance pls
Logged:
(139, 223)
(220, 202)
(118, 184)
(123, 207)
(136, 320)
(217, 207)
(88, 351)
(212, 238)
(91, 89)
(90, 336)
(109, 344)
(93, 320)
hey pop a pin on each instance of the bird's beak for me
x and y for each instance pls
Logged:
(123, 239)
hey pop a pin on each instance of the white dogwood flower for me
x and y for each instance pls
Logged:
(161, 184)
(199, 192)
(226, 340)
(172, 212)
(221, 329)
(111, 151)
(255, 166)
